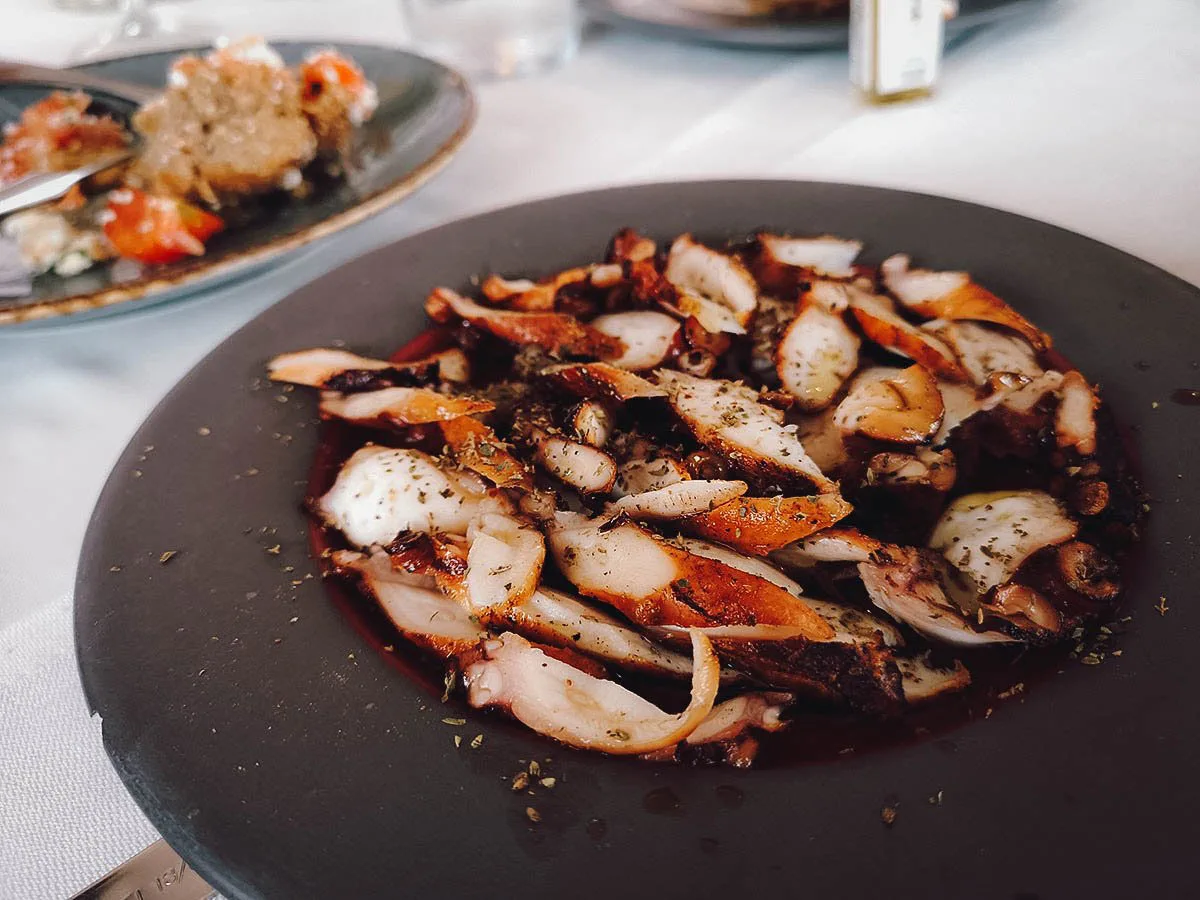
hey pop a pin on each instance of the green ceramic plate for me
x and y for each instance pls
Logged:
(425, 112)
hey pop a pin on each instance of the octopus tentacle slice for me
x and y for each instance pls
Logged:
(564, 703)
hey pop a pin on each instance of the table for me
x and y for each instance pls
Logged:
(1085, 114)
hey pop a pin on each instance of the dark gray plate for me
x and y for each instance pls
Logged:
(665, 19)
(425, 112)
(284, 756)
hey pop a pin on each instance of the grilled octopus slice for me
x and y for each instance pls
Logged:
(714, 450)
(563, 702)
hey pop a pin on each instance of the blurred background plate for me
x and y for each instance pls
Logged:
(425, 112)
(674, 20)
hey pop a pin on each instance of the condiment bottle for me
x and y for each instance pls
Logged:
(896, 47)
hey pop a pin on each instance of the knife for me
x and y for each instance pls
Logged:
(157, 873)
(34, 190)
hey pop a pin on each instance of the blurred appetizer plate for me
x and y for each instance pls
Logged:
(425, 112)
(273, 742)
(698, 20)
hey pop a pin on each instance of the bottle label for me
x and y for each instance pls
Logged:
(895, 45)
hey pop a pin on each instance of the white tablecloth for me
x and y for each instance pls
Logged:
(1086, 114)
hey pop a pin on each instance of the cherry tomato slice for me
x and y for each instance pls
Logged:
(157, 229)
(325, 68)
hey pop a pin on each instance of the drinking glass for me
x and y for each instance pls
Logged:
(498, 38)
(141, 27)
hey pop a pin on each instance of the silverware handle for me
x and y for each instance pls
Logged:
(34, 190)
(157, 873)
(24, 73)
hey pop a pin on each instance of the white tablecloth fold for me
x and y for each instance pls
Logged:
(65, 818)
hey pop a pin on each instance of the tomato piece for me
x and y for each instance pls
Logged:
(157, 230)
(199, 223)
(56, 134)
(327, 67)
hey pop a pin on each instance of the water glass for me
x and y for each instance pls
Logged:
(494, 37)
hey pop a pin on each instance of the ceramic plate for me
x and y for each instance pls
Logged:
(284, 754)
(425, 112)
(665, 18)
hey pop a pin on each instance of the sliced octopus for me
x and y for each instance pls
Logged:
(767, 470)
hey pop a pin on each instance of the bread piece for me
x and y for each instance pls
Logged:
(228, 125)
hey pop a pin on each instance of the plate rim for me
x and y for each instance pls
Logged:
(715, 29)
(256, 256)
